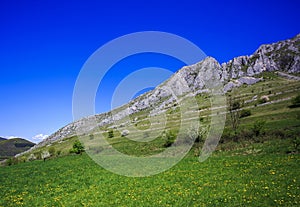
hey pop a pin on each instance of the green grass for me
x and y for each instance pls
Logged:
(257, 171)
(222, 180)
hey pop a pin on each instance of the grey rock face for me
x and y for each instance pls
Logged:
(239, 82)
(282, 56)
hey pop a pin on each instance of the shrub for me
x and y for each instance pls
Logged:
(245, 113)
(52, 151)
(110, 133)
(58, 152)
(226, 136)
(296, 144)
(246, 134)
(11, 161)
(201, 135)
(78, 148)
(258, 127)
(170, 136)
(37, 155)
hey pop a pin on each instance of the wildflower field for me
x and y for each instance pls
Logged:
(223, 180)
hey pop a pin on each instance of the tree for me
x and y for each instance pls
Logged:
(78, 148)
(110, 133)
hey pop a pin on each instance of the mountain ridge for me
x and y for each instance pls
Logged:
(283, 56)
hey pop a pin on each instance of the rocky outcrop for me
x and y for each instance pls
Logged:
(282, 56)
(239, 82)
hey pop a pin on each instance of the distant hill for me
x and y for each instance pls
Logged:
(11, 147)
(2, 139)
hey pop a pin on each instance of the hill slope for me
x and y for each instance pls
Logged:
(11, 147)
(2, 139)
(283, 56)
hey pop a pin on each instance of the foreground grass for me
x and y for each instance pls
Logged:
(223, 180)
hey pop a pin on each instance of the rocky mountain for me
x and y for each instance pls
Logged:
(283, 56)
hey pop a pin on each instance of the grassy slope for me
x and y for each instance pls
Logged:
(243, 173)
(278, 116)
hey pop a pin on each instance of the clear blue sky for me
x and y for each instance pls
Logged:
(43, 45)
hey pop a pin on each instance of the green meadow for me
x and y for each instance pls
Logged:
(257, 165)
(225, 179)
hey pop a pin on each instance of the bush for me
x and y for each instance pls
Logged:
(226, 136)
(170, 136)
(245, 113)
(296, 144)
(78, 148)
(11, 161)
(110, 133)
(246, 134)
(52, 151)
(278, 133)
(258, 127)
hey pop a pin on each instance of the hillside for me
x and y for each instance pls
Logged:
(261, 72)
(2, 139)
(11, 147)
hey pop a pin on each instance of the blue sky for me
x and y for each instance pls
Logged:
(45, 43)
